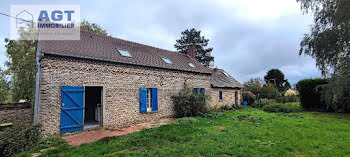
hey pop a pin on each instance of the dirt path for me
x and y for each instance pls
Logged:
(94, 135)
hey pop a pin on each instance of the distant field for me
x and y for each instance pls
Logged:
(247, 132)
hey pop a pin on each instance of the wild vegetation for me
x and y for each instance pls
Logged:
(246, 132)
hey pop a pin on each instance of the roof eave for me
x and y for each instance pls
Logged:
(113, 61)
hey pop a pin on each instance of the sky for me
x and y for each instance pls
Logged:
(249, 37)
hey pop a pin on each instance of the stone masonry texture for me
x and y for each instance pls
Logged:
(228, 97)
(121, 84)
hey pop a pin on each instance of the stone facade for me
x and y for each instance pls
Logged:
(228, 97)
(121, 84)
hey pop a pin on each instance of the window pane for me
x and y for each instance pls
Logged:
(166, 60)
(124, 53)
(191, 65)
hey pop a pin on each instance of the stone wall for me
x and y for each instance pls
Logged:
(228, 97)
(121, 84)
(16, 112)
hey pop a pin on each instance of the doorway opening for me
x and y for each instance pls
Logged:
(93, 107)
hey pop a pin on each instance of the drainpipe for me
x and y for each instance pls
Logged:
(38, 58)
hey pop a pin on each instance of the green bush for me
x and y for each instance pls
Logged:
(291, 98)
(278, 107)
(249, 97)
(262, 102)
(225, 108)
(189, 104)
(310, 97)
(19, 138)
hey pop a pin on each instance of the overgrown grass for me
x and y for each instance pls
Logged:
(246, 132)
(280, 107)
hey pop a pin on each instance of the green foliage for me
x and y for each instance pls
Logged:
(261, 90)
(269, 91)
(262, 102)
(249, 97)
(186, 120)
(276, 78)
(189, 104)
(20, 137)
(291, 98)
(329, 38)
(254, 85)
(4, 87)
(92, 27)
(246, 132)
(21, 67)
(279, 107)
(194, 36)
(336, 94)
(310, 97)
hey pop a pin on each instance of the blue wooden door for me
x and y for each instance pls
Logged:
(72, 108)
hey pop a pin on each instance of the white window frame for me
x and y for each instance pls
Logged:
(149, 100)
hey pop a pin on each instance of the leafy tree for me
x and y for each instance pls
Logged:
(276, 78)
(194, 36)
(329, 39)
(92, 27)
(4, 87)
(329, 43)
(287, 86)
(254, 85)
(21, 65)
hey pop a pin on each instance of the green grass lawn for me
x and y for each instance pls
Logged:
(246, 132)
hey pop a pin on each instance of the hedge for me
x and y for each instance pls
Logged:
(310, 96)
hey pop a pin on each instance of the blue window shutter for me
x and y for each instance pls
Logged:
(195, 90)
(154, 99)
(143, 99)
(220, 95)
(202, 91)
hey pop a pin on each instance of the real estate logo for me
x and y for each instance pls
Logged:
(45, 22)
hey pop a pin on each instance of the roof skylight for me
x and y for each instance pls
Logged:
(225, 73)
(191, 65)
(166, 60)
(124, 53)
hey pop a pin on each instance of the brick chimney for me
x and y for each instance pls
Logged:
(191, 50)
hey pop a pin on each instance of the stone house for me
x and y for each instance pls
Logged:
(225, 90)
(101, 81)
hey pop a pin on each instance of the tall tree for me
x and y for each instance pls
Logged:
(276, 78)
(329, 39)
(329, 43)
(4, 87)
(21, 64)
(200, 42)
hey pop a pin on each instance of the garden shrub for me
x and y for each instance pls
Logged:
(249, 97)
(20, 137)
(225, 108)
(278, 107)
(310, 97)
(336, 94)
(262, 102)
(189, 104)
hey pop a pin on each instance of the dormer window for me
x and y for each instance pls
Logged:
(124, 53)
(191, 65)
(166, 60)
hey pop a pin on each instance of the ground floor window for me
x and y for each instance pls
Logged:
(148, 99)
(220, 95)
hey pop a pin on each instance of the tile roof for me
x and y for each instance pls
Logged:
(222, 79)
(104, 48)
